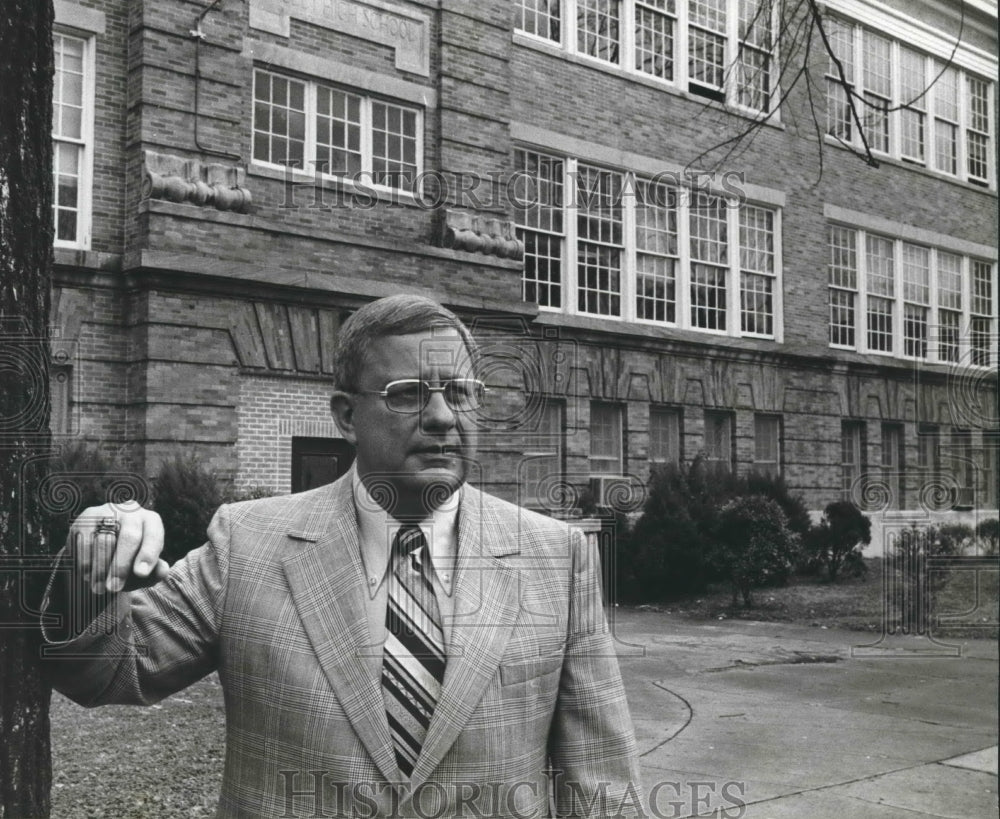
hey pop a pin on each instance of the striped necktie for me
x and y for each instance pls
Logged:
(413, 659)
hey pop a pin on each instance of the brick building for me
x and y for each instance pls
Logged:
(235, 176)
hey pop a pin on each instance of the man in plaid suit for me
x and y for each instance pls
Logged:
(309, 609)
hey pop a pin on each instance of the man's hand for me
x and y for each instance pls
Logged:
(110, 562)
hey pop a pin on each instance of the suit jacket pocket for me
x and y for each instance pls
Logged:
(528, 669)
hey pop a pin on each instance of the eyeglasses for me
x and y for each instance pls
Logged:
(412, 394)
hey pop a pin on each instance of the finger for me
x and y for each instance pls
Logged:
(160, 571)
(102, 554)
(147, 558)
(128, 543)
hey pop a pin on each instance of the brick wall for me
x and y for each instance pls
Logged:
(271, 411)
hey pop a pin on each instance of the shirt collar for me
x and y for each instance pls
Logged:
(377, 529)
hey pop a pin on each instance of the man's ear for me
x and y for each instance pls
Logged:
(342, 407)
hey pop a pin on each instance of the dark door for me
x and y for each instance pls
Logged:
(319, 461)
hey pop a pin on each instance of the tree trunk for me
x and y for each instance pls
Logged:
(25, 271)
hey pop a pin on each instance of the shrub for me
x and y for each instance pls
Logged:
(953, 538)
(835, 542)
(775, 488)
(754, 545)
(670, 546)
(187, 496)
(988, 535)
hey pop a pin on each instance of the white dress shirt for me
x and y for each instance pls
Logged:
(376, 531)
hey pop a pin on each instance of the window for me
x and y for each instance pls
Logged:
(877, 78)
(929, 463)
(757, 270)
(538, 17)
(767, 444)
(977, 132)
(963, 467)
(657, 253)
(892, 463)
(540, 222)
(606, 438)
(709, 262)
(910, 104)
(917, 289)
(545, 457)
(719, 438)
(600, 241)
(881, 293)
(982, 338)
(319, 461)
(303, 124)
(949, 282)
(665, 425)
(597, 28)
(946, 122)
(843, 285)
(853, 460)
(655, 35)
(618, 252)
(717, 49)
(72, 139)
(916, 299)
(913, 116)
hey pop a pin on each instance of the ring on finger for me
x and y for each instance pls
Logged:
(108, 526)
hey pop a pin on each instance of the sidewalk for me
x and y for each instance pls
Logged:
(774, 720)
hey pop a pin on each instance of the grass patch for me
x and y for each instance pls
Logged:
(120, 761)
(968, 605)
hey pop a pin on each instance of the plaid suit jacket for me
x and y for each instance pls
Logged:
(532, 715)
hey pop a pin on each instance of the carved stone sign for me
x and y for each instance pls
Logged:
(406, 31)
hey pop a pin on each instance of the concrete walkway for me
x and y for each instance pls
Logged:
(772, 720)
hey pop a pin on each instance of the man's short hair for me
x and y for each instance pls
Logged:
(392, 316)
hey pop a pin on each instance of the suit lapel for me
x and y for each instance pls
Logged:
(323, 569)
(487, 601)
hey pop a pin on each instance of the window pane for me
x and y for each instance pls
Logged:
(335, 153)
(597, 23)
(916, 274)
(654, 38)
(664, 435)
(881, 281)
(394, 139)
(605, 438)
(539, 17)
(279, 120)
(719, 438)
(767, 444)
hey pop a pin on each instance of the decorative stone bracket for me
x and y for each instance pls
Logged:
(188, 180)
(490, 235)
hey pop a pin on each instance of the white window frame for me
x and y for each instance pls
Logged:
(85, 143)
(731, 87)
(367, 99)
(685, 200)
(935, 56)
(899, 299)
